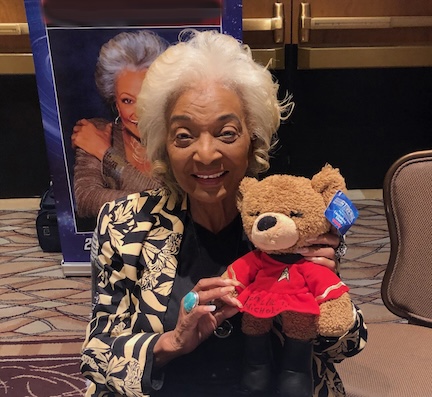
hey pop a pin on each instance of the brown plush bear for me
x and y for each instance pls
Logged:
(280, 214)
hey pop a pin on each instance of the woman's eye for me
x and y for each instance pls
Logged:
(228, 135)
(127, 101)
(182, 138)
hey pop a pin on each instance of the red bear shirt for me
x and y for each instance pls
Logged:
(270, 287)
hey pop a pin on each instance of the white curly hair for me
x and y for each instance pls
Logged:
(209, 57)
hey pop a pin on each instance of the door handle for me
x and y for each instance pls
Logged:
(275, 24)
(308, 23)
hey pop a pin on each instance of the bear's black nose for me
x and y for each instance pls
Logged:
(266, 223)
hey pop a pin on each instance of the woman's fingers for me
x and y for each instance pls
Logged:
(193, 327)
(224, 313)
(316, 250)
(209, 296)
(321, 250)
(327, 262)
(196, 322)
(322, 256)
(231, 300)
(212, 282)
(211, 289)
(329, 239)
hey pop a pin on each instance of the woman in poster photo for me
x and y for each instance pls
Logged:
(110, 161)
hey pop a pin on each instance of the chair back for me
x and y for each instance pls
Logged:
(407, 283)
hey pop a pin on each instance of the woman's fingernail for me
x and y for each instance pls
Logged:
(210, 308)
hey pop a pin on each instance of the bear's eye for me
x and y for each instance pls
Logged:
(296, 214)
(254, 213)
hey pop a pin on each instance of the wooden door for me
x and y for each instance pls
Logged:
(15, 49)
(266, 29)
(362, 33)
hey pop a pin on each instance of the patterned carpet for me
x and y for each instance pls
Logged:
(43, 315)
(43, 376)
(364, 265)
(40, 309)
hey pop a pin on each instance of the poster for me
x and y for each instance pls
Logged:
(66, 37)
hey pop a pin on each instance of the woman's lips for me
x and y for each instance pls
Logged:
(210, 178)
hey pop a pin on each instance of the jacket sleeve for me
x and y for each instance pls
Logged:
(124, 175)
(90, 189)
(117, 355)
(337, 349)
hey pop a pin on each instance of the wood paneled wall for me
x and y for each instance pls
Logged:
(12, 11)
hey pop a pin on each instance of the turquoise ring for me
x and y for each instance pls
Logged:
(190, 301)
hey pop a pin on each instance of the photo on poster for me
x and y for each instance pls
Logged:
(98, 73)
(90, 128)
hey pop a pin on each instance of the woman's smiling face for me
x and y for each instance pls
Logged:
(208, 143)
(127, 87)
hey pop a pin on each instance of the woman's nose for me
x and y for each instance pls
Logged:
(207, 150)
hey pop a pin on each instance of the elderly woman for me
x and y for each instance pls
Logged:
(110, 161)
(208, 116)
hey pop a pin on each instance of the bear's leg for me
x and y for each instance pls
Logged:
(258, 357)
(295, 378)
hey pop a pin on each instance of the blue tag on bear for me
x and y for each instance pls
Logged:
(341, 212)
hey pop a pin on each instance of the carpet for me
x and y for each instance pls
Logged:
(363, 266)
(38, 304)
(43, 315)
(41, 376)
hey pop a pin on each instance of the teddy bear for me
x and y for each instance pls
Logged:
(280, 215)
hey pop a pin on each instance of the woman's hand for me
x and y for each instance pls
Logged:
(322, 250)
(196, 326)
(91, 139)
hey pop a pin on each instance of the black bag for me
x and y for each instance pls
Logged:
(46, 223)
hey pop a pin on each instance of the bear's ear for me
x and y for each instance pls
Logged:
(327, 182)
(245, 184)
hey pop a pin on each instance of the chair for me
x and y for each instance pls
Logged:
(397, 360)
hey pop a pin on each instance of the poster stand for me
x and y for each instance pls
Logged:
(66, 38)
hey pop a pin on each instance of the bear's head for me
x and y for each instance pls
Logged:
(281, 212)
